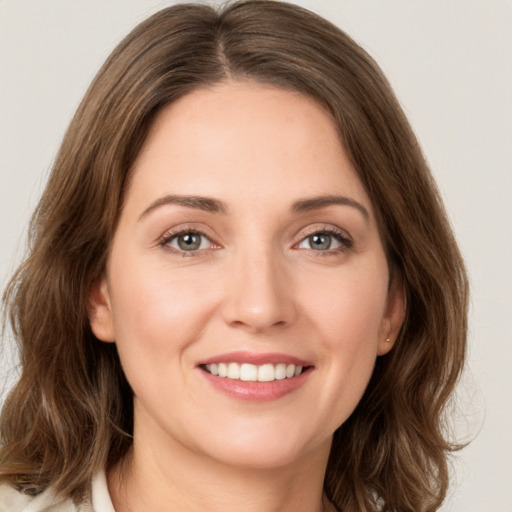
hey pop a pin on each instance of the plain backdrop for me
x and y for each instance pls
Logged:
(450, 62)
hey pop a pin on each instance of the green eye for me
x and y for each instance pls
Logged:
(189, 241)
(320, 242)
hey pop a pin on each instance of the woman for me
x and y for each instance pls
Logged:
(242, 290)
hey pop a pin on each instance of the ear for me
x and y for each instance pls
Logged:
(393, 316)
(100, 311)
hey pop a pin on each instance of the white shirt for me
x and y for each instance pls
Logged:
(101, 501)
(12, 500)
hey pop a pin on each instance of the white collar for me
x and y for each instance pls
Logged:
(101, 501)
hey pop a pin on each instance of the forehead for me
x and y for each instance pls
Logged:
(245, 140)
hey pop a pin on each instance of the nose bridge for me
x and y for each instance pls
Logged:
(259, 291)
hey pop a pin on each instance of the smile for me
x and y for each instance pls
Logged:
(254, 373)
(254, 377)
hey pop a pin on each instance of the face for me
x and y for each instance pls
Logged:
(247, 287)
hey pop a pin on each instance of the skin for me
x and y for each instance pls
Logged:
(257, 284)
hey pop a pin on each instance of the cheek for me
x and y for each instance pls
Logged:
(157, 315)
(347, 314)
(347, 306)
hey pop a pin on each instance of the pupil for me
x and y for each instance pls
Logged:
(321, 242)
(189, 242)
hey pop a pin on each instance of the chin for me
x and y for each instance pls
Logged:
(262, 448)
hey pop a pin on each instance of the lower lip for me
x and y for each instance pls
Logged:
(256, 391)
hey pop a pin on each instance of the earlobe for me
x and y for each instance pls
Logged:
(100, 311)
(394, 316)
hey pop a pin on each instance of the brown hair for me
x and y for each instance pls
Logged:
(69, 413)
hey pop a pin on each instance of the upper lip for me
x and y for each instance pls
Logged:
(241, 357)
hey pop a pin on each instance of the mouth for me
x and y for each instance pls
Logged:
(248, 372)
(256, 377)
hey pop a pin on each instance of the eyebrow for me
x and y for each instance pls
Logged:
(211, 205)
(206, 204)
(318, 202)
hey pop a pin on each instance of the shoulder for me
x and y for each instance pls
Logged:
(13, 500)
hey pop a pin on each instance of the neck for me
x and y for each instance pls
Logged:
(168, 477)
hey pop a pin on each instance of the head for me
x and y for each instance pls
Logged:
(74, 387)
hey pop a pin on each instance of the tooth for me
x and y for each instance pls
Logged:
(223, 370)
(249, 372)
(280, 371)
(266, 373)
(233, 371)
(252, 373)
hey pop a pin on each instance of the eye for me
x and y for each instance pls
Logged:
(188, 241)
(319, 242)
(325, 241)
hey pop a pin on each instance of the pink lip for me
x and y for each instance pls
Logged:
(252, 358)
(256, 391)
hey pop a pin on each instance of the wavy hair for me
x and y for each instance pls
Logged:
(71, 414)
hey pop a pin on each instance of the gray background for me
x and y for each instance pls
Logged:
(451, 65)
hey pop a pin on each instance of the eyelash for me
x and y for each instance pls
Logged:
(339, 235)
(167, 238)
(346, 243)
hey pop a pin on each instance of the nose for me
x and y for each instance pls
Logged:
(259, 293)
